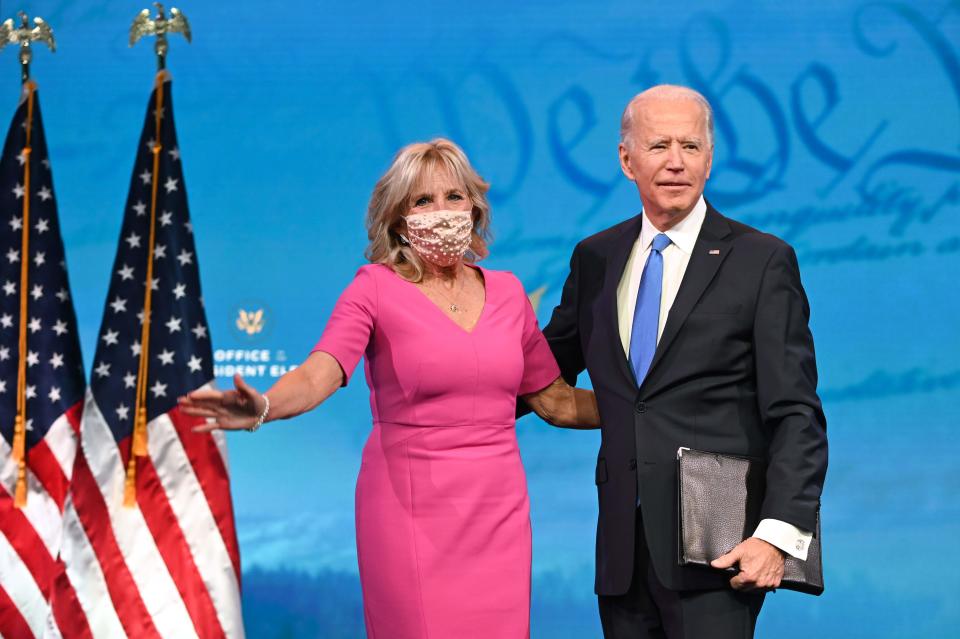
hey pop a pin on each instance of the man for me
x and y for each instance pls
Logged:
(694, 330)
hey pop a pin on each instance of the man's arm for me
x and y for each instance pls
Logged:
(786, 373)
(563, 330)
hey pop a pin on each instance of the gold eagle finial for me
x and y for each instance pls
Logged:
(25, 35)
(159, 26)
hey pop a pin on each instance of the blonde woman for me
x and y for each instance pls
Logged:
(443, 524)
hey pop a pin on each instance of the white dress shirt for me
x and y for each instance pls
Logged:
(676, 256)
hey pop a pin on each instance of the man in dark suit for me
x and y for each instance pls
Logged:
(694, 330)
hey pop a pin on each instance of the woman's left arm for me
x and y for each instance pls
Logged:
(562, 405)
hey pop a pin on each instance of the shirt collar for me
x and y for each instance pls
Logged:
(683, 234)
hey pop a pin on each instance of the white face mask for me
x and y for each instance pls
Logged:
(440, 237)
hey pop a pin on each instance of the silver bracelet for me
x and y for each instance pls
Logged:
(263, 416)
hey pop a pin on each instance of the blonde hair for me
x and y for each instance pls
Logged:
(391, 199)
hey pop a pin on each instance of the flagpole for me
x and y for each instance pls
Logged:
(171, 526)
(160, 26)
(20, 423)
(24, 35)
(138, 447)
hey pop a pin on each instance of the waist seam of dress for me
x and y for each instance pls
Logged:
(413, 434)
(447, 425)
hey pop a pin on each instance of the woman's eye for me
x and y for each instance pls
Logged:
(423, 201)
(455, 196)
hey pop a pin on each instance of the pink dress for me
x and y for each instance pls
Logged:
(443, 518)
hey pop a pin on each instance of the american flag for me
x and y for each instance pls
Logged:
(166, 563)
(52, 384)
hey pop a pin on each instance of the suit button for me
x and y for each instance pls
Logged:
(641, 407)
(633, 464)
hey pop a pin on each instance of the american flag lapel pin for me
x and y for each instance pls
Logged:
(714, 251)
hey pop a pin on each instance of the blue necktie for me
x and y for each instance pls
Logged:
(646, 314)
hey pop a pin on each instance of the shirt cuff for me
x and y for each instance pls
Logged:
(786, 537)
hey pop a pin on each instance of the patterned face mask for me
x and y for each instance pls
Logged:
(440, 237)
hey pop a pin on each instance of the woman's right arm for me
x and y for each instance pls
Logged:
(298, 391)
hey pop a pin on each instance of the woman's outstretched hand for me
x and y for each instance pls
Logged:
(236, 409)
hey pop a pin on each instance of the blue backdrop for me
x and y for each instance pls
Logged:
(838, 129)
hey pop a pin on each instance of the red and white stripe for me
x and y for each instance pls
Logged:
(169, 567)
(30, 536)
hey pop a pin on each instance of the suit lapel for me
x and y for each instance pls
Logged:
(616, 262)
(709, 252)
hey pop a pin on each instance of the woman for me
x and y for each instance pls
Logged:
(443, 523)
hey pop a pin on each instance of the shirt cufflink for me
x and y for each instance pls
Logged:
(787, 537)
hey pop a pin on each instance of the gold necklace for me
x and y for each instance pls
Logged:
(453, 306)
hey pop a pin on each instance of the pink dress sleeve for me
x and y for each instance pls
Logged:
(539, 366)
(350, 326)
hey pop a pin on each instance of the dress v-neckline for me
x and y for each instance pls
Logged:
(483, 311)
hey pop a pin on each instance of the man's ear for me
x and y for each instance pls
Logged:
(709, 163)
(625, 161)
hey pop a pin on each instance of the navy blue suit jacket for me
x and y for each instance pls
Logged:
(734, 372)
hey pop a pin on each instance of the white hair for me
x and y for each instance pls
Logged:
(666, 92)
